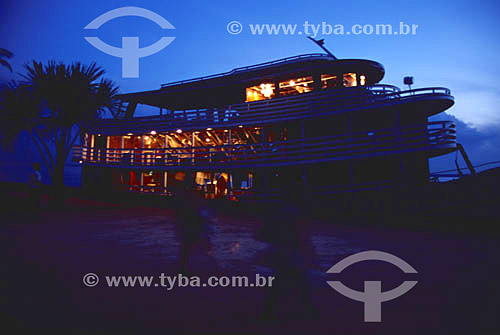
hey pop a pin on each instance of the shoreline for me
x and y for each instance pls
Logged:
(479, 215)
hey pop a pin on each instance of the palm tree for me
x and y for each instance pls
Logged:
(4, 53)
(54, 105)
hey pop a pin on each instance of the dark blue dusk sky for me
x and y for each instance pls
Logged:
(456, 46)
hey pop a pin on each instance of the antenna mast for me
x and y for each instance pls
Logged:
(320, 44)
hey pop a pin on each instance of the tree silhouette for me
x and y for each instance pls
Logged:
(54, 104)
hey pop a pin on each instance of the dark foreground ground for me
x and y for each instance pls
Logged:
(46, 255)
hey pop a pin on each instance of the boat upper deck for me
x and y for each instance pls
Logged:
(229, 87)
(303, 106)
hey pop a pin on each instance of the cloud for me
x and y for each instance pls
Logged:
(477, 95)
(479, 109)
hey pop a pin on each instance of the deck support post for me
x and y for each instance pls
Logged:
(302, 135)
(107, 149)
(229, 145)
(122, 146)
(192, 148)
(129, 112)
(229, 184)
(165, 178)
(165, 149)
(142, 180)
(142, 150)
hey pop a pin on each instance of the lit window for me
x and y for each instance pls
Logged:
(115, 142)
(350, 80)
(362, 80)
(296, 86)
(329, 81)
(261, 92)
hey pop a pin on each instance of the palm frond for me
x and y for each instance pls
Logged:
(6, 64)
(6, 53)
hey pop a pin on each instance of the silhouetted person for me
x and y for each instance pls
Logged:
(221, 186)
(192, 226)
(290, 256)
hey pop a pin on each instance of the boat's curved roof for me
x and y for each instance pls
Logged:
(191, 92)
(288, 65)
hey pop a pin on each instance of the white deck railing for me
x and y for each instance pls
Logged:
(433, 138)
(307, 105)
